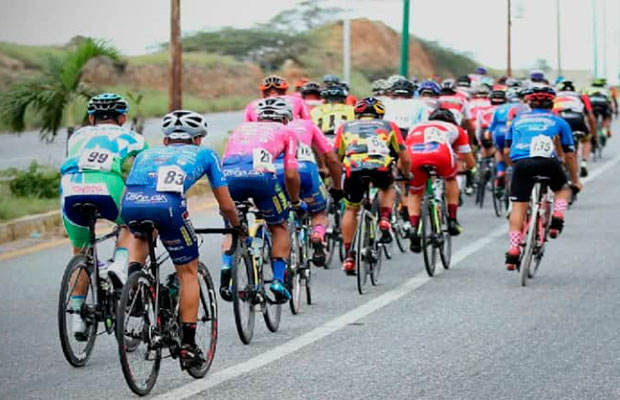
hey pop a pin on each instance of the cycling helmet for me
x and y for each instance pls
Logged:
(537, 76)
(498, 97)
(370, 106)
(443, 114)
(334, 92)
(273, 81)
(566, 86)
(429, 87)
(329, 80)
(512, 95)
(512, 82)
(559, 79)
(448, 86)
(299, 83)
(481, 71)
(463, 81)
(378, 86)
(540, 93)
(599, 82)
(276, 109)
(311, 88)
(402, 87)
(183, 125)
(481, 91)
(395, 78)
(107, 104)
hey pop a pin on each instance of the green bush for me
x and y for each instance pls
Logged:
(37, 181)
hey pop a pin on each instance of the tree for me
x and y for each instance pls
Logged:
(51, 94)
(308, 15)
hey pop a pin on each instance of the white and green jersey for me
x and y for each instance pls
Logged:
(101, 148)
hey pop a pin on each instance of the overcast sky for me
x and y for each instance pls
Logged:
(474, 26)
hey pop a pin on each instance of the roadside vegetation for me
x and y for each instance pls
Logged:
(26, 192)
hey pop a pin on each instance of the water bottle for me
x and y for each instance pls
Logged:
(104, 281)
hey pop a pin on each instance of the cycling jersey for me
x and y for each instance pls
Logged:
(499, 124)
(329, 116)
(572, 107)
(455, 103)
(156, 188)
(476, 106)
(482, 125)
(406, 113)
(312, 104)
(368, 144)
(249, 166)
(299, 109)
(532, 134)
(92, 174)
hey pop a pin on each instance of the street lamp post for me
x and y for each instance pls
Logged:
(404, 51)
(508, 45)
(594, 39)
(174, 82)
(557, 10)
(346, 51)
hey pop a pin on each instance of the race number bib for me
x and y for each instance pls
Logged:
(304, 153)
(98, 160)
(376, 146)
(263, 160)
(541, 146)
(170, 179)
(434, 135)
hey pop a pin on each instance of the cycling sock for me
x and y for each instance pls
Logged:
(414, 219)
(452, 208)
(501, 167)
(347, 249)
(279, 266)
(189, 333)
(386, 212)
(121, 257)
(227, 260)
(559, 206)
(76, 302)
(319, 230)
(515, 238)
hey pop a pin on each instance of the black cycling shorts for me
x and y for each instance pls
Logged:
(576, 121)
(526, 169)
(604, 110)
(356, 184)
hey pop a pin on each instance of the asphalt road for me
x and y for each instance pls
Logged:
(469, 333)
(19, 150)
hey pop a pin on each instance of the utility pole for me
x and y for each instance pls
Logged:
(605, 38)
(508, 46)
(557, 9)
(404, 51)
(346, 48)
(174, 82)
(594, 39)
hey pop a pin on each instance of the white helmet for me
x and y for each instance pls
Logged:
(184, 124)
(275, 109)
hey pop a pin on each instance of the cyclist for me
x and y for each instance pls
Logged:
(402, 105)
(485, 116)
(334, 112)
(498, 129)
(248, 165)
(311, 93)
(478, 103)
(600, 98)
(463, 86)
(351, 100)
(299, 84)
(531, 143)
(367, 147)
(428, 93)
(92, 173)
(330, 80)
(478, 77)
(576, 109)
(452, 100)
(156, 188)
(275, 86)
(435, 143)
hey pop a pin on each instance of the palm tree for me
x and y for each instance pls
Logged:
(52, 93)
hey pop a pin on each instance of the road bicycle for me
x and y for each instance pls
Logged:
(251, 276)
(298, 273)
(148, 313)
(483, 178)
(433, 226)
(399, 220)
(535, 231)
(82, 277)
(333, 234)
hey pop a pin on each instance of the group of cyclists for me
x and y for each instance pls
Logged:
(320, 144)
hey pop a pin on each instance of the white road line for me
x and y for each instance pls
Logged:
(326, 329)
(339, 323)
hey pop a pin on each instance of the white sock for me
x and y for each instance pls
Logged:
(121, 256)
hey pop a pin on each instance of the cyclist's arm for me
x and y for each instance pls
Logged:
(399, 146)
(461, 146)
(220, 187)
(291, 172)
(568, 147)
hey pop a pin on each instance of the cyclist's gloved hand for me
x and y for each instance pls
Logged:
(337, 194)
(242, 230)
(300, 207)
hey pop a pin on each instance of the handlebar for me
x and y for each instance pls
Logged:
(222, 231)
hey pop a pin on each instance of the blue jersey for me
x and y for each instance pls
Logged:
(499, 122)
(101, 148)
(532, 134)
(175, 168)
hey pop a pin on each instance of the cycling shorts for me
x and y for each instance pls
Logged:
(102, 189)
(577, 122)
(603, 110)
(312, 190)
(263, 187)
(168, 211)
(437, 155)
(526, 169)
(356, 184)
(499, 141)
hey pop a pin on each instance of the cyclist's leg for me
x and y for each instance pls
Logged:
(414, 201)
(446, 163)
(520, 191)
(354, 188)
(313, 192)
(500, 162)
(384, 181)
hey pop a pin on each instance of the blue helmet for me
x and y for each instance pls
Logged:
(481, 71)
(429, 86)
(107, 104)
(537, 76)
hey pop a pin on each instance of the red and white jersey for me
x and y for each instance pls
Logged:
(483, 120)
(437, 132)
(475, 106)
(455, 103)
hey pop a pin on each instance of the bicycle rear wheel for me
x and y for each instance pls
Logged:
(272, 311)
(530, 239)
(206, 324)
(445, 251)
(376, 265)
(136, 322)
(428, 242)
(481, 184)
(244, 295)
(362, 241)
(77, 348)
(293, 273)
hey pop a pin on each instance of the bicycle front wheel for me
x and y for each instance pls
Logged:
(362, 238)
(206, 323)
(77, 347)
(244, 295)
(445, 251)
(429, 248)
(530, 242)
(272, 311)
(137, 324)
(293, 273)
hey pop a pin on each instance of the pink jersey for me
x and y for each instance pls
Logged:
(309, 136)
(261, 143)
(300, 111)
